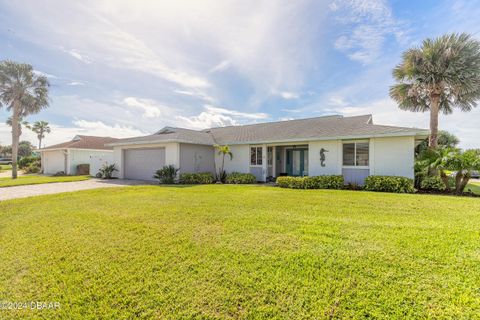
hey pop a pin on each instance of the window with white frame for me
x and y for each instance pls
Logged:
(355, 154)
(255, 156)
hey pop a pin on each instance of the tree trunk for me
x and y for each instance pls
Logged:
(15, 137)
(458, 182)
(444, 178)
(434, 110)
(39, 143)
(463, 183)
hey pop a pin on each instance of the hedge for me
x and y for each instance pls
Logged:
(317, 182)
(389, 184)
(196, 178)
(241, 178)
(433, 184)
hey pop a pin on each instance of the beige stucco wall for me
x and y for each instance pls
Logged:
(240, 161)
(333, 157)
(196, 158)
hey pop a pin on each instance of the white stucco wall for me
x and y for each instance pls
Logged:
(392, 156)
(53, 161)
(333, 157)
(172, 154)
(80, 156)
(97, 160)
(240, 161)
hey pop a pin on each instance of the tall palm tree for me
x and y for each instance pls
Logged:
(22, 92)
(40, 128)
(223, 151)
(440, 75)
(21, 123)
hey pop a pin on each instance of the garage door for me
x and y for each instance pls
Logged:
(141, 164)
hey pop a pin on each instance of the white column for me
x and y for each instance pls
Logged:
(274, 161)
(264, 162)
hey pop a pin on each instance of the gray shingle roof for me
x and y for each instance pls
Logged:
(84, 142)
(281, 131)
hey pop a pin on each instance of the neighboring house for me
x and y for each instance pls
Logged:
(80, 150)
(332, 145)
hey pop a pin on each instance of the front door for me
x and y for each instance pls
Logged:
(297, 162)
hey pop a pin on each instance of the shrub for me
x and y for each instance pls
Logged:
(24, 162)
(241, 178)
(317, 182)
(389, 184)
(33, 167)
(221, 176)
(197, 178)
(291, 182)
(323, 182)
(432, 183)
(167, 174)
(106, 171)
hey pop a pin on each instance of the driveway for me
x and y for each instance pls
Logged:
(59, 187)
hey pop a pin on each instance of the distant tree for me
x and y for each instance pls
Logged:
(22, 92)
(25, 149)
(40, 128)
(440, 75)
(445, 139)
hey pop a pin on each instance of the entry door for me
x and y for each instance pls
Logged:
(297, 162)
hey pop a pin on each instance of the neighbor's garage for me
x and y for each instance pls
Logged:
(141, 164)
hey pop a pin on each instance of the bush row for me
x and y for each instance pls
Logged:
(207, 178)
(318, 182)
(372, 183)
(389, 184)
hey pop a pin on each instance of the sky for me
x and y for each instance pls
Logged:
(127, 68)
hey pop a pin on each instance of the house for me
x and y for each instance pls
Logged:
(332, 145)
(80, 150)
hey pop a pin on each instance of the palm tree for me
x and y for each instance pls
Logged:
(223, 151)
(440, 75)
(22, 92)
(21, 123)
(40, 128)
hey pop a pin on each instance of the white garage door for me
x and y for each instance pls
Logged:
(141, 164)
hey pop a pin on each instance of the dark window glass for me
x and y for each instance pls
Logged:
(259, 156)
(349, 154)
(362, 154)
(253, 156)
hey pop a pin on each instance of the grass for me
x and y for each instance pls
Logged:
(241, 252)
(38, 179)
(474, 186)
(4, 167)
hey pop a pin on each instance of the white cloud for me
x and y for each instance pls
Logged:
(223, 65)
(289, 95)
(370, 22)
(77, 55)
(218, 117)
(76, 83)
(150, 108)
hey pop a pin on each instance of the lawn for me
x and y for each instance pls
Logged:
(38, 179)
(4, 167)
(474, 186)
(249, 252)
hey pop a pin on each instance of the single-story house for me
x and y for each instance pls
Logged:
(331, 145)
(66, 156)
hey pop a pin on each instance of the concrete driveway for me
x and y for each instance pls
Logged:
(8, 193)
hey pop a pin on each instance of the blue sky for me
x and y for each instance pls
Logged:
(126, 68)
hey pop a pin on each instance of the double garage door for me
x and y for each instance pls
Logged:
(141, 164)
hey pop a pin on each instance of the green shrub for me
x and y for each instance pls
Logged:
(241, 178)
(197, 178)
(24, 162)
(107, 170)
(433, 184)
(33, 167)
(317, 182)
(389, 184)
(323, 182)
(167, 174)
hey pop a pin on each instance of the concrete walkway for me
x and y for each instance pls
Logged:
(59, 187)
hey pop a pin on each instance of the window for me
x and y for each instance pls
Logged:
(270, 156)
(355, 154)
(256, 156)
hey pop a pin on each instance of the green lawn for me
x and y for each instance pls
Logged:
(474, 186)
(38, 179)
(249, 252)
(4, 167)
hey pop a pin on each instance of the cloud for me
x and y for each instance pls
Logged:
(150, 108)
(218, 117)
(223, 65)
(289, 95)
(77, 55)
(370, 23)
